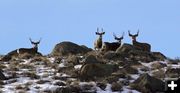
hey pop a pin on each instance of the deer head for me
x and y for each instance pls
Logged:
(100, 33)
(133, 36)
(118, 38)
(35, 44)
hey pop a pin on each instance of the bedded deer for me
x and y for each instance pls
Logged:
(33, 51)
(107, 46)
(141, 46)
(98, 42)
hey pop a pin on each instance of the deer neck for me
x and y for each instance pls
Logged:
(100, 38)
(35, 47)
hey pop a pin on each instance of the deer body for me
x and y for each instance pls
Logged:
(15, 53)
(98, 42)
(142, 46)
(107, 46)
(139, 45)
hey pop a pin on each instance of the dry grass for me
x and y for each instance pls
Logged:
(32, 75)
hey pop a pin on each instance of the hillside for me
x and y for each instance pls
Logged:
(72, 68)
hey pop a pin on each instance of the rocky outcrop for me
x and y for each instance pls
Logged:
(147, 84)
(91, 71)
(125, 48)
(69, 48)
(134, 53)
(25, 55)
(159, 56)
(173, 72)
(2, 76)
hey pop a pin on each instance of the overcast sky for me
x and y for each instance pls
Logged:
(76, 20)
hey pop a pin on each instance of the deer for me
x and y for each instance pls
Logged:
(33, 51)
(107, 46)
(141, 46)
(98, 42)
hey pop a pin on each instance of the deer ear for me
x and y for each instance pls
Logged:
(97, 33)
(103, 33)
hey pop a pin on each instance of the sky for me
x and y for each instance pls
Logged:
(77, 20)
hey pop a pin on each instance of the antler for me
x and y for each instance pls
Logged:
(31, 40)
(39, 41)
(137, 33)
(129, 33)
(122, 35)
(97, 32)
(116, 38)
(35, 42)
(114, 35)
(102, 31)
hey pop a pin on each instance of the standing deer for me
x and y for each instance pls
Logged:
(98, 42)
(15, 53)
(114, 45)
(141, 46)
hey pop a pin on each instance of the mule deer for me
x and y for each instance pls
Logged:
(98, 42)
(15, 53)
(114, 45)
(141, 46)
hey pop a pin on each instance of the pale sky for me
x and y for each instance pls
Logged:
(76, 20)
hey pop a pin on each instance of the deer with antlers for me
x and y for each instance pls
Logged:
(33, 51)
(98, 42)
(141, 46)
(107, 46)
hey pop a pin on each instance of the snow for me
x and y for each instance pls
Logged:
(46, 73)
(77, 67)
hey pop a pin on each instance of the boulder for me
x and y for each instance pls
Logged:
(69, 48)
(73, 59)
(129, 70)
(2, 76)
(173, 72)
(91, 59)
(125, 48)
(91, 71)
(25, 55)
(147, 84)
(116, 86)
(111, 55)
(141, 56)
(158, 65)
(159, 56)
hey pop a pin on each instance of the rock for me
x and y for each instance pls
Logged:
(134, 53)
(69, 48)
(125, 48)
(141, 56)
(173, 72)
(2, 76)
(111, 79)
(101, 85)
(91, 71)
(73, 59)
(159, 56)
(129, 70)
(88, 88)
(116, 86)
(62, 90)
(158, 65)
(160, 74)
(111, 55)
(148, 84)
(25, 55)
(91, 59)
